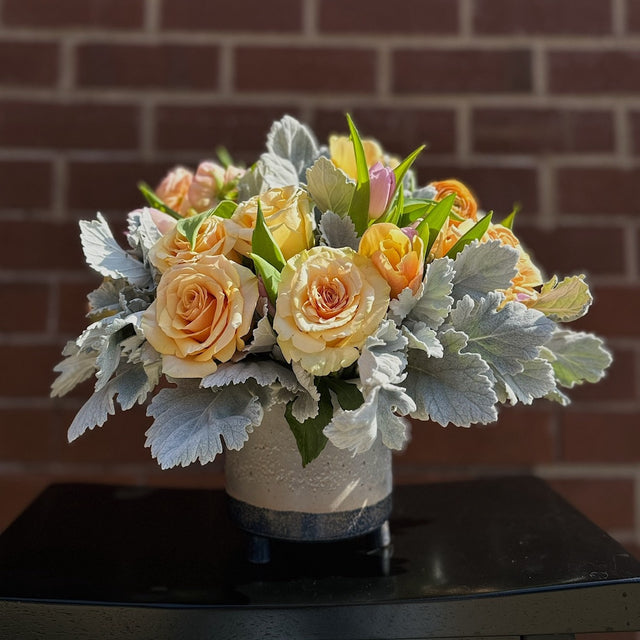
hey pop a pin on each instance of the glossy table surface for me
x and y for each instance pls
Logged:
(502, 557)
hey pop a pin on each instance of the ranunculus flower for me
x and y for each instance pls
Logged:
(465, 205)
(399, 257)
(382, 184)
(174, 188)
(448, 236)
(344, 157)
(329, 301)
(202, 312)
(214, 237)
(287, 212)
(211, 184)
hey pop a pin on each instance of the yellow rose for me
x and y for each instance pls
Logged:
(287, 212)
(464, 205)
(202, 312)
(528, 276)
(329, 301)
(397, 257)
(213, 237)
(343, 156)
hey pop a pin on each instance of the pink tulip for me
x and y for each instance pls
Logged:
(382, 184)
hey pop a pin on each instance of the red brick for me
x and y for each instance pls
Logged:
(73, 304)
(167, 66)
(27, 370)
(46, 125)
(305, 70)
(548, 247)
(544, 17)
(615, 311)
(27, 435)
(29, 300)
(51, 246)
(275, 16)
(609, 502)
(633, 15)
(542, 131)
(496, 188)
(240, 129)
(399, 131)
(520, 437)
(634, 119)
(602, 191)
(25, 184)
(600, 437)
(28, 63)
(104, 186)
(618, 385)
(402, 16)
(440, 71)
(74, 13)
(597, 72)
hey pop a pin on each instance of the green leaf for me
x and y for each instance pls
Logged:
(269, 274)
(565, 301)
(225, 209)
(224, 156)
(475, 233)
(508, 221)
(308, 434)
(359, 207)
(348, 394)
(401, 170)
(414, 210)
(423, 230)
(263, 244)
(394, 213)
(155, 202)
(437, 217)
(188, 227)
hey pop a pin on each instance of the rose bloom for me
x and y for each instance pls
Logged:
(211, 184)
(329, 301)
(214, 237)
(344, 157)
(464, 205)
(202, 312)
(397, 256)
(287, 212)
(174, 188)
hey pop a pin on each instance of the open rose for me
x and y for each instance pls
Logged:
(329, 301)
(213, 238)
(202, 312)
(398, 257)
(174, 189)
(287, 212)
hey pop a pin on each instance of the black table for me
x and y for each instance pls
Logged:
(504, 557)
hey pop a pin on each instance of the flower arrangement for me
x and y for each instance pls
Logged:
(326, 280)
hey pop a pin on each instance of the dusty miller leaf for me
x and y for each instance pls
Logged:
(338, 232)
(536, 380)
(330, 188)
(564, 301)
(265, 372)
(76, 367)
(190, 422)
(293, 141)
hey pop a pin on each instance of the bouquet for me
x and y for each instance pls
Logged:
(324, 279)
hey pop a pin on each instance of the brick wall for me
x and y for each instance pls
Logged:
(530, 101)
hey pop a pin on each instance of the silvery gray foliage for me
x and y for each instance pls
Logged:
(483, 267)
(455, 388)
(107, 257)
(142, 233)
(329, 187)
(535, 380)
(266, 373)
(190, 423)
(130, 385)
(338, 232)
(293, 141)
(76, 367)
(305, 405)
(424, 193)
(381, 367)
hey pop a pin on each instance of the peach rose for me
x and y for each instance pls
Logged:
(398, 257)
(214, 237)
(174, 188)
(287, 212)
(329, 301)
(211, 184)
(201, 313)
(464, 205)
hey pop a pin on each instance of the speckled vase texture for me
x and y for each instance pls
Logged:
(336, 496)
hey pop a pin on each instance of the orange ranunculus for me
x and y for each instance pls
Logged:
(464, 206)
(397, 256)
